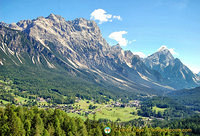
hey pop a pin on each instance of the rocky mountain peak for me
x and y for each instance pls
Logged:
(161, 58)
(56, 29)
(54, 17)
(116, 47)
(164, 51)
(163, 48)
(171, 68)
(83, 21)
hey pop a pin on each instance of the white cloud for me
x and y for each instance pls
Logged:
(117, 36)
(163, 47)
(140, 54)
(130, 42)
(195, 69)
(102, 16)
(117, 17)
(172, 50)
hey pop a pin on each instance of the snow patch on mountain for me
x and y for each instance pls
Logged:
(11, 52)
(33, 60)
(19, 58)
(1, 62)
(48, 63)
(3, 48)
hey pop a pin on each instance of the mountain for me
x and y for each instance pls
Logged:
(174, 72)
(198, 74)
(77, 51)
(38, 71)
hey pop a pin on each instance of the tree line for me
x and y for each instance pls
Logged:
(32, 121)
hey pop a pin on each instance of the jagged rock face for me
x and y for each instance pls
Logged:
(13, 40)
(19, 48)
(176, 74)
(133, 62)
(79, 40)
(160, 60)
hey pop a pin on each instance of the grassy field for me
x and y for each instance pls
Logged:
(103, 111)
(5, 102)
(21, 99)
(159, 109)
(116, 113)
(7, 87)
(76, 115)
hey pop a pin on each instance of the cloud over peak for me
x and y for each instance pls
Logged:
(102, 16)
(140, 54)
(118, 36)
(172, 50)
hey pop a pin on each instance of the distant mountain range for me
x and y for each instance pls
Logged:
(78, 48)
(174, 72)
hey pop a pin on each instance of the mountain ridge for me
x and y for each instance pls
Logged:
(79, 44)
(172, 69)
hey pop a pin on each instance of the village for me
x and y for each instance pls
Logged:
(77, 108)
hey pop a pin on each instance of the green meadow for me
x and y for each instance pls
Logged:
(103, 111)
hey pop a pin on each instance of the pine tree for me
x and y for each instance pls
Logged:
(4, 127)
(98, 131)
(38, 126)
(72, 127)
(14, 123)
(82, 131)
(20, 113)
(158, 132)
(17, 127)
(46, 133)
(44, 116)
(118, 133)
(70, 133)
(88, 124)
(147, 132)
(27, 127)
(66, 124)
(58, 130)
(51, 129)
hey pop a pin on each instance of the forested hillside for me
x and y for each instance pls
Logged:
(21, 121)
(187, 97)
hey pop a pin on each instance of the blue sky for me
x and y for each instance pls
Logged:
(140, 25)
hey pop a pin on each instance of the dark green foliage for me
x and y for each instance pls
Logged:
(92, 106)
(173, 110)
(41, 82)
(23, 121)
(188, 97)
(188, 123)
